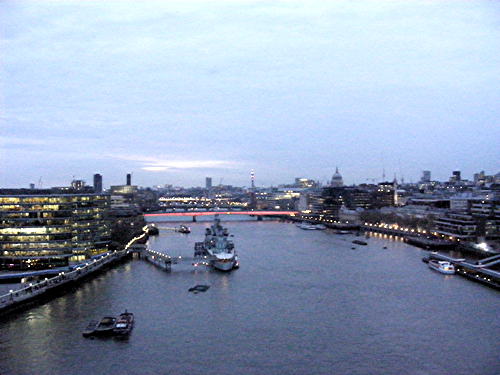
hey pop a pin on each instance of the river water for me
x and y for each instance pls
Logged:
(302, 302)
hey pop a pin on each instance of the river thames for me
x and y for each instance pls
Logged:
(302, 302)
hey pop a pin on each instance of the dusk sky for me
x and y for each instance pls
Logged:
(177, 91)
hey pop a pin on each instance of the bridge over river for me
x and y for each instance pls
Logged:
(194, 214)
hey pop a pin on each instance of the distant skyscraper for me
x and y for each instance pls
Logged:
(457, 176)
(253, 198)
(98, 183)
(129, 179)
(426, 177)
(208, 182)
(32, 186)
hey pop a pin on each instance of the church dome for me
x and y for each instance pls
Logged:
(337, 179)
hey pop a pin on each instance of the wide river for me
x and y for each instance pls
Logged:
(302, 302)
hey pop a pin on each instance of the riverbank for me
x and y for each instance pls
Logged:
(37, 292)
(413, 236)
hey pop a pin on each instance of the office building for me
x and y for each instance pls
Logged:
(386, 194)
(44, 228)
(456, 226)
(97, 183)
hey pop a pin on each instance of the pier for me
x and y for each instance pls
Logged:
(490, 261)
(160, 260)
(165, 261)
(476, 272)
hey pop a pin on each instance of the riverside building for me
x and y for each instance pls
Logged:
(456, 226)
(46, 228)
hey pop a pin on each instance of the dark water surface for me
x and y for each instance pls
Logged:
(303, 302)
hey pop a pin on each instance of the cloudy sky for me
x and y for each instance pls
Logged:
(176, 91)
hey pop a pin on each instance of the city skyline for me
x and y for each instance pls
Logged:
(175, 92)
(97, 181)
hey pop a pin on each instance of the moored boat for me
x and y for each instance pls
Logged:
(340, 231)
(441, 266)
(184, 229)
(199, 288)
(105, 326)
(218, 248)
(124, 324)
(359, 242)
(90, 329)
(308, 226)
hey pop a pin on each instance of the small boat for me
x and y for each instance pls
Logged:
(124, 324)
(358, 242)
(307, 226)
(90, 329)
(442, 266)
(184, 229)
(340, 231)
(105, 326)
(199, 288)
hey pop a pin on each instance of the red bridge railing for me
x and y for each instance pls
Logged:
(208, 213)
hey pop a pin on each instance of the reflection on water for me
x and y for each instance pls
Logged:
(302, 302)
(385, 236)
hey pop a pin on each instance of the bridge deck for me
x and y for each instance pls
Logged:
(489, 259)
(211, 213)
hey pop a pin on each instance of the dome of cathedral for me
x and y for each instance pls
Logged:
(337, 179)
